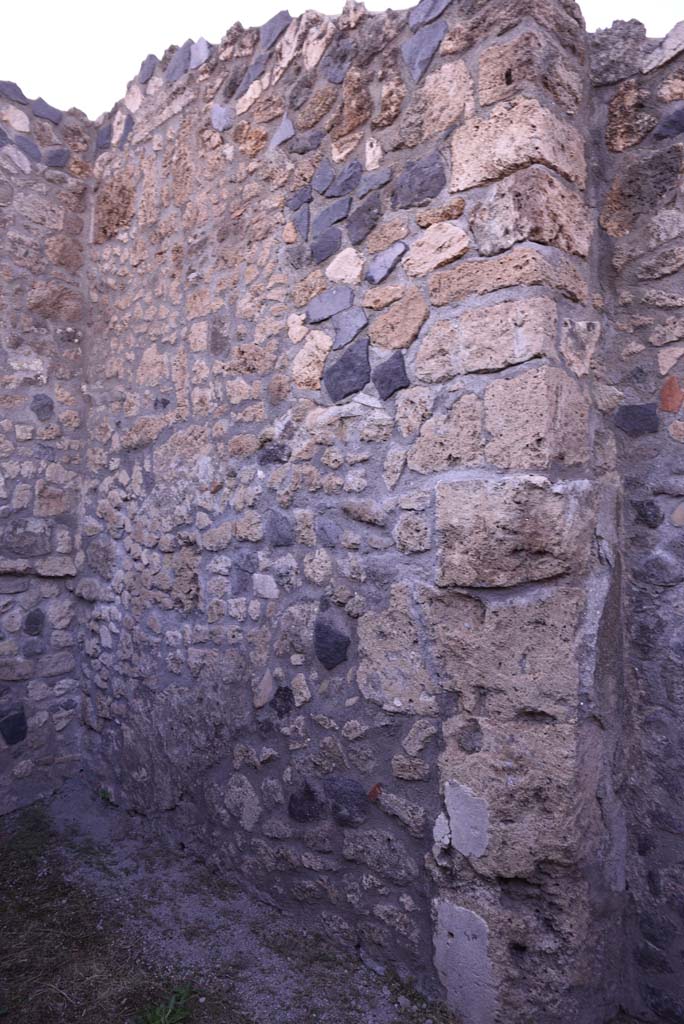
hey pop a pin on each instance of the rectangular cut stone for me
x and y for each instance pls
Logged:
(514, 136)
(532, 205)
(520, 267)
(497, 533)
(535, 419)
(505, 334)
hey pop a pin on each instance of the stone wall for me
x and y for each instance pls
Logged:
(639, 116)
(43, 201)
(345, 540)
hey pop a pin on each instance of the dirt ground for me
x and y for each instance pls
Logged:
(99, 924)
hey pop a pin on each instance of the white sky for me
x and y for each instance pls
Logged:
(82, 53)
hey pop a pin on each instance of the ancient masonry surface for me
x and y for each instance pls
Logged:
(342, 522)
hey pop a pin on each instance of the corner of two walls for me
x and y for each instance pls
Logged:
(638, 188)
(350, 581)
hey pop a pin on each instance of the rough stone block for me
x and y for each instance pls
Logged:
(448, 440)
(497, 533)
(439, 245)
(529, 62)
(401, 323)
(489, 338)
(514, 136)
(520, 267)
(535, 419)
(532, 205)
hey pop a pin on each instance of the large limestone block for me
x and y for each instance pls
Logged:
(523, 652)
(392, 671)
(450, 439)
(497, 533)
(528, 61)
(532, 204)
(521, 266)
(536, 418)
(514, 136)
(490, 338)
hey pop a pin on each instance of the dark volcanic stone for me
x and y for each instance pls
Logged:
(4, 137)
(276, 451)
(57, 156)
(42, 109)
(245, 564)
(349, 373)
(635, 420)
(419, 50)
(103, 139)
(425, 12)
(307, 142)
(337, 59)
(28, 147)
(147, 68)
(222, 117)
(11, 91)
(649, 513)
(374, 180)
(326, 245)
(382, 265)
(333, 214)
(283, 701)
(301, 221)
(419, 182)
(348, 800)
(306, 804)
(34, 623)
(280, 531)
(179, 63)
(283, 132)
(390, 376)
(42, 407)
(347, 325)
(13, 725)
(324, 176)
(672, 124)
(364, 218)
(330, 643)
(273, 29)
(127, 129)
(346, 181)
(298, 198)
(329, 302)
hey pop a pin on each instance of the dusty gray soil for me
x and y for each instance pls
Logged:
(99, 923)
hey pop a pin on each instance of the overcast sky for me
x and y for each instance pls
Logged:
(80, 53)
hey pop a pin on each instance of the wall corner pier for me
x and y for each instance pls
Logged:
(337, 364)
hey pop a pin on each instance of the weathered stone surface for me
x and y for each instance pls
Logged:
(330, 642)
(535, 419)
(349, 373)
(628, 120)
(671, 46)
(514, 136)
(529, 62)
(419, 182)
(497, 533)
(347, 325)
(532, 205)
(522, 266)
(646, 184)
(345, 268)
(329, 302)
(463, 962)
(489, 338)
(448, 440)
(399, 325)
(637, 420)
(391, 670)
(441, 244)
(308, 363)
(363, 219)
(382, 265)
(419, 50)
(445, 96)
(617, 52)
(390, 376)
